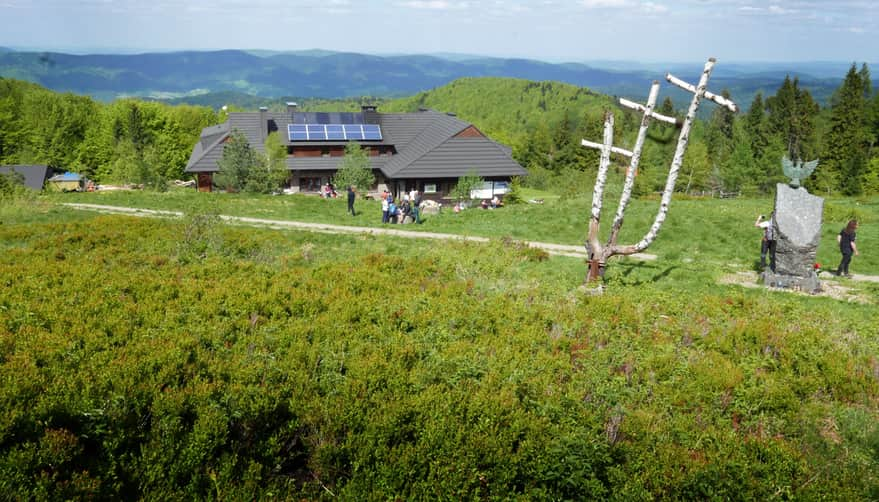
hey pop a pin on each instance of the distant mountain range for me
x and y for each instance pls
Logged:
(326, 74)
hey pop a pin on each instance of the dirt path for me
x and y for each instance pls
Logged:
(554, 249)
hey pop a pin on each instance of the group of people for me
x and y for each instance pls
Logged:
(845, 239)
(407, 209)
(328, 191)
(494, 203)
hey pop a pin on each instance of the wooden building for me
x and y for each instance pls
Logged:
(426, 150)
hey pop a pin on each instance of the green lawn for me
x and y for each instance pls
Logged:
(717, 233)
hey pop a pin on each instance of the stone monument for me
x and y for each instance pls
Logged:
(798, 216)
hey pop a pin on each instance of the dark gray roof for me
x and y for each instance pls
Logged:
(457, 157)
(35, 176)
(425, 144)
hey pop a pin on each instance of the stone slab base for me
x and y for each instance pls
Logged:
(808, 284)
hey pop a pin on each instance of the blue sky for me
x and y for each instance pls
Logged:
(551, 30)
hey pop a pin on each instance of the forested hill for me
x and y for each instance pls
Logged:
(506, 108)
(315, 75)
(338, 75)
(543, 122)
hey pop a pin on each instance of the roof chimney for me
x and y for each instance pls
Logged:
(291, 106)
(263, 123)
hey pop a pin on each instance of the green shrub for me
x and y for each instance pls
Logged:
(302, 366)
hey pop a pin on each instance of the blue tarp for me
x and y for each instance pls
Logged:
(68, 176)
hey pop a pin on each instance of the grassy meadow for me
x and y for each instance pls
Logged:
(188, 359)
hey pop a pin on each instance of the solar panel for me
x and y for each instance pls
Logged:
(334, 132)
(372, 132)
(353, 131)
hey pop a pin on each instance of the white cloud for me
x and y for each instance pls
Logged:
(857, 30)
(654, 8)
(605, 4)
(775, 9)
(647, 7)
(434, 4)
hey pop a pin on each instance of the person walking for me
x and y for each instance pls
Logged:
(351, 196)
(768, 245)
(847, 247)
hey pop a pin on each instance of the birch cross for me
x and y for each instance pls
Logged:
(598, 254)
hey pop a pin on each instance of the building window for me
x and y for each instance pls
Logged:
(430, 188)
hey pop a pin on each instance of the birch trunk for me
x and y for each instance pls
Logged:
(633, 168)
(593, 245)
(683, 139)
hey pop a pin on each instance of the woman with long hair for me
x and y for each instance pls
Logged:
(847, 247)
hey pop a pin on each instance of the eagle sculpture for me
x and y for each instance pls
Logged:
(798, 171)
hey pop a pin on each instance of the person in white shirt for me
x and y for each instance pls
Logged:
(767, 246)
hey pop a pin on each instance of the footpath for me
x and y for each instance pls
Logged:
(553, 249)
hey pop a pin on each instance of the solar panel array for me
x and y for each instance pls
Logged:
(334, 132)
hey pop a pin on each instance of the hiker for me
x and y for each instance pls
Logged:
(385, 206)
(768, 243)
(495, 202)
(351, 196)
(846, 240)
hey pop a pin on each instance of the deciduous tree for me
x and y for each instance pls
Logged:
(355, 169)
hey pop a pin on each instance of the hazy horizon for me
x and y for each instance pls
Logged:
(661, 31)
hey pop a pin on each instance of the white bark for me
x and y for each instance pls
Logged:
(599, 146)
(600, 181)
(638, 107)
(720, 100)
(633, 165)
(683, 139)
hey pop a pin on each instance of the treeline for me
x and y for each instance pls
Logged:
(143, 141)
(127, 140)
(545, 121)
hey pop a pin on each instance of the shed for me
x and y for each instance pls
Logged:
(67, 182)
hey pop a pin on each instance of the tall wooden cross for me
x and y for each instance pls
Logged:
(598, 254)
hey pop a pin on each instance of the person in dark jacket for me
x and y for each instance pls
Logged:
(351, 196)
(416, 207)
(847, 247)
